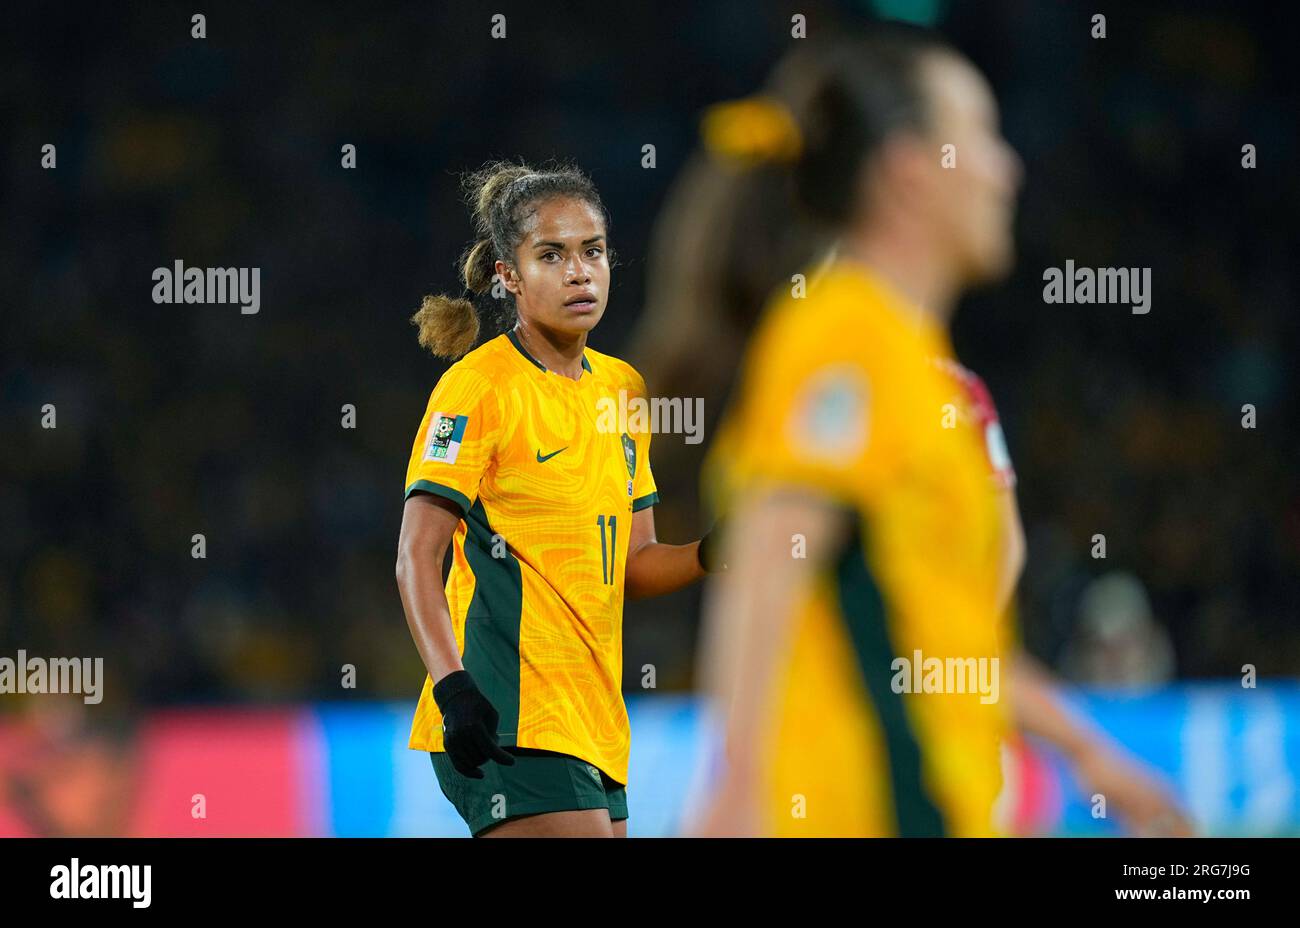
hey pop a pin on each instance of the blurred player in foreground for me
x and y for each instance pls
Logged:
(547, 503)
(836, 444)
(862, 532)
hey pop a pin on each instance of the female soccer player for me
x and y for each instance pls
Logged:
(861, 166)
(547, 503)
(862, 535)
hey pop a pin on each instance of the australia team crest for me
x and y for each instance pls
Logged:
(629, 454)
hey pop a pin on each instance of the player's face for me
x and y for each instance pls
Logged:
(561, 274)
(976, 198)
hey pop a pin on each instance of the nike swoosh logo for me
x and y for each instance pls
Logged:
(542, 459)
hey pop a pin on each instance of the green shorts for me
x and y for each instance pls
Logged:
(539, 781)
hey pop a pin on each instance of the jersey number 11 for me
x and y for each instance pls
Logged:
(607, 549)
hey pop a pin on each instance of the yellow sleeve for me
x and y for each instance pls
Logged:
(457, 438)
(644, 490)
(811, 420)
(641, 486)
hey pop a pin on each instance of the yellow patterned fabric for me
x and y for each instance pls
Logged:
(839, 399)
(547, 479)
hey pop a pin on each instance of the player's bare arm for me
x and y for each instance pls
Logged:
(655, 568)
(428, 522)
(1036, 701)
(747, 623)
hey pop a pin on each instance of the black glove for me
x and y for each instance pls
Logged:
(469, 725)
(709, 551)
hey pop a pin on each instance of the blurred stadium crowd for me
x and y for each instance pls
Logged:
(179, 420)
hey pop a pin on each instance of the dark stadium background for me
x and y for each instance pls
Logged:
(225, 151)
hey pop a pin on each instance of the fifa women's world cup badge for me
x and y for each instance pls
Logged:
(444, 438)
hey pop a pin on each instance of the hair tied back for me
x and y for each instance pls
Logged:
(752, 130)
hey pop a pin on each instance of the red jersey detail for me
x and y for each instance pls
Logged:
(975, 405)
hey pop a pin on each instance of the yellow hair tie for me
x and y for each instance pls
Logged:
(751, 130)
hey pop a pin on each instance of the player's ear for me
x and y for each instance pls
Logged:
(507, 275)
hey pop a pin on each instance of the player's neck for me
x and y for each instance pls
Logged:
(913, 271)
(558, 353)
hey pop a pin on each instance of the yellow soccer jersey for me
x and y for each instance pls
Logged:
(547, 479)
(839, 397)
